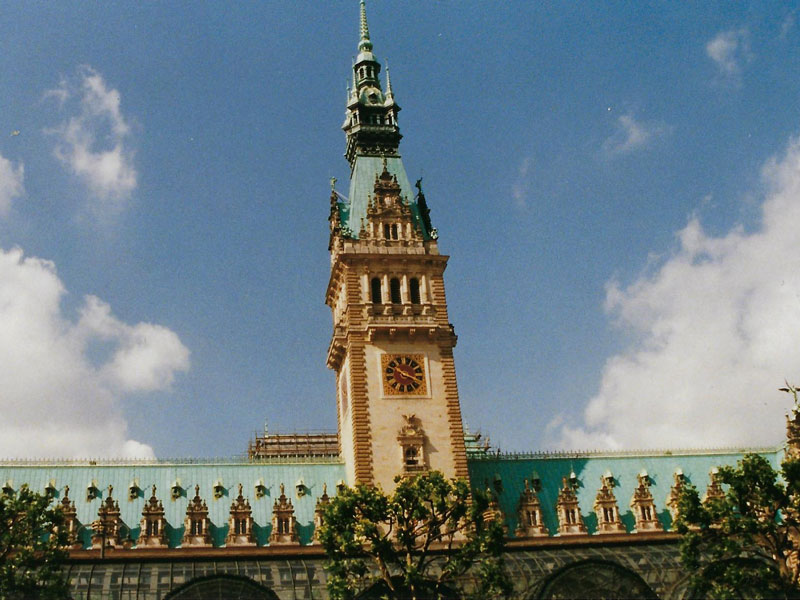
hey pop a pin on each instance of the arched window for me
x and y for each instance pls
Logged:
(221, 586)
(596, 579)
(413, 288)
(376, 290)
(283, 525)
(394, 285)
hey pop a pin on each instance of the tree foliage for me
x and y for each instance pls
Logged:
(31, 546)
(413, 543)
(744, 543)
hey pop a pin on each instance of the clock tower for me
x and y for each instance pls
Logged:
(392, 344)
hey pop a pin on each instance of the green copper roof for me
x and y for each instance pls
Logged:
(362, 185)
(230, 474)
(589, 468)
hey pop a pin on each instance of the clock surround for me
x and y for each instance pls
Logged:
(404, 375)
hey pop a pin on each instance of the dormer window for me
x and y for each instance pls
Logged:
(261, 489)
(92, 491)
(219, 489)
(394, 287)
(413, 289)
(133, 490)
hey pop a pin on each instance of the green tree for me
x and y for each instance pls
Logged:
(31, 546)
(744, 542)
(413, 543)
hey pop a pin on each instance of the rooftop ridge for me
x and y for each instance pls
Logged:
(114, 462)
(546, 454)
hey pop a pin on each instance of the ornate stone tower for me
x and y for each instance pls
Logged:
(392, 343)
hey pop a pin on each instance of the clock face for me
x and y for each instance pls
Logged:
(404, 375)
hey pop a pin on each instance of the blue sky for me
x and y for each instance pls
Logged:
(614, 182)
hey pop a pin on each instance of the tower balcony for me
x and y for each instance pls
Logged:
(400, 314)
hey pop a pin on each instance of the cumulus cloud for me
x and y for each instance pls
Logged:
(11, 178)
(728, 50)
(94, 143)
(63, 379)
(631, 135)
(716, 326)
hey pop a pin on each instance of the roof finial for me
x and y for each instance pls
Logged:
(389, 93)
(364, 45)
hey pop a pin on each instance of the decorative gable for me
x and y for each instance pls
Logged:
(240, 523)
(106, 530)
(605, 507)
(319, 519)
(570, 521)
(196, 532)
(530, 515)
(643, 506)
(284, 524)
(153, 524)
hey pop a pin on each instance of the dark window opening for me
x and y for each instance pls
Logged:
(394, 231)
(386, 231)
(395, 289)
(283, 526)
(413, 285)
(376, 291)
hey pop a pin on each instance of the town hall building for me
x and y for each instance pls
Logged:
(578, 524)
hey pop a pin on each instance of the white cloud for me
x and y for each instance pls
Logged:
(787, 24)
(11, 178)
(519, 190)
(632, 135)
(717, 327)
(62, 380)
(95, 143)
(728, 49)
